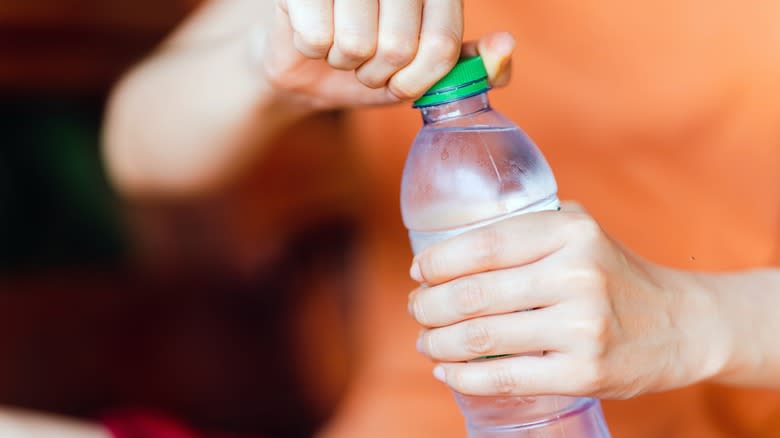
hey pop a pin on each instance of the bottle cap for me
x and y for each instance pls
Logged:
(466, 79)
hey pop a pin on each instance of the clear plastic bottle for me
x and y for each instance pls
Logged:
(469, 167)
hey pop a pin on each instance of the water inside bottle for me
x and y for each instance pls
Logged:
(459, 176)
(470, 167)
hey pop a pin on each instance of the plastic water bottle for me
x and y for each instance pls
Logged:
(469, 167)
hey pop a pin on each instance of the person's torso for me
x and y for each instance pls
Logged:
(662, 119)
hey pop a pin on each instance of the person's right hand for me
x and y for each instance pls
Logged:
(343, 53)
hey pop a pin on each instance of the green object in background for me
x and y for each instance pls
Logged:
(56, 207)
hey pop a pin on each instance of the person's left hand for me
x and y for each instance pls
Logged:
(610, 324)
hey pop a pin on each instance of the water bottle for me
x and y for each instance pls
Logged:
(469, 167)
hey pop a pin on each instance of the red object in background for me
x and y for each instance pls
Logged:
(140, 424)
(146, 425)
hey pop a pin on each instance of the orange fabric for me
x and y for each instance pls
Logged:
(662, 119)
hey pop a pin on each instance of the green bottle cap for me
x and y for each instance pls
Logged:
(466, 79)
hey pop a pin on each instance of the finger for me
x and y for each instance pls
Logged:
(355, 33)
(344, 91)
(440, 42)
(503, 75)
(280, 55)
(517, 241)
(312, 24)
(513, 333)
(399, 35)
(496, 50)
(517, 375)
(490, 293)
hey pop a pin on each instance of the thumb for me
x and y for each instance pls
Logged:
(496, 50)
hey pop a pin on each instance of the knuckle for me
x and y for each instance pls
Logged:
(598, 331)
(593, 378)
(445, 43)
(432, 345)
(502, 380)
(583, 228)
(594, 280)
(432, 266)
(397, 51)
(590, 279)
(444, 46)
(456, 380)
(369, 80)
(404, 90)
(317, 41)
(419, 312)
(478, 339)
(355, 47)
(470, 297)
(488, 244)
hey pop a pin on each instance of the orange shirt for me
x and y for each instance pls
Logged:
(663, 119)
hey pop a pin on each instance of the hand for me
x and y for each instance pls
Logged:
(609, 324)
(345, 53)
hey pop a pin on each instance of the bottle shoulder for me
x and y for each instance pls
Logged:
(487, 119)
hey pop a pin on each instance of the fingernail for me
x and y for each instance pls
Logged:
(416, 273)
(508, 42)
(439, 374)
(419, 345)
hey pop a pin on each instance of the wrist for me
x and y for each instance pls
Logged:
(743, 321)
(705, 344)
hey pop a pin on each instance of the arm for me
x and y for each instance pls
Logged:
(183, 120)
(231, 82)
(748, 304)
(612, 324)
(20, 424)
(237, 73)
(210, 101)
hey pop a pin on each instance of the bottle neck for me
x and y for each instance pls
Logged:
(459, 108)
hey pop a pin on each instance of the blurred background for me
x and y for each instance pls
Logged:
(83, 330)
(221, 314)
(59, 60)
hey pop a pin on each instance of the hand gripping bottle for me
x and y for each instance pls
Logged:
(469, 167)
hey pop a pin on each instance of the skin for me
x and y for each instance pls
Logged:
(299, 58)
(15, 423)
(199, 116)
(611, 324)
(281, 62)
(237, 62)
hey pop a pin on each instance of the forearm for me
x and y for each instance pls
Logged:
(729, 325)
(186, 119)
(19, 424)
(750, 309)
